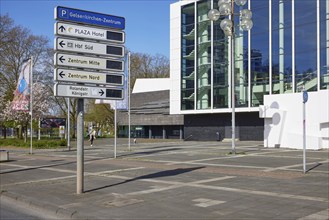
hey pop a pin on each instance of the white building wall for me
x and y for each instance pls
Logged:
(175, 60)
(151, 85)
(283, 120)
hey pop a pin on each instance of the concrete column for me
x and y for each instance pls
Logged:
(163, 132)
(181, 132)
(150, 132)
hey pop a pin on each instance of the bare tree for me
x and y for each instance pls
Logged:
(16, 45)
(147, 66)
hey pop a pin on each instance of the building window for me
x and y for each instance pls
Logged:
(220, 66)
(188, 57)
(259, 52)
(281, 47)
(324, 45)
(203, 56)
(305, 43)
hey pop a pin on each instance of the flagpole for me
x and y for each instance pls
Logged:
(31, 101)
(128, 100)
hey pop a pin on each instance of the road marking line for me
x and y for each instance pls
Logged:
(68, 177)
(292, 166)
(207, 159)
(322, 215)
(174, 184)
(262, 193)
(204, 203)
(253, 192)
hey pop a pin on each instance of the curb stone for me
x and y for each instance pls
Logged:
(47, 208)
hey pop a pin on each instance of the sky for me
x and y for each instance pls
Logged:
(147, 21)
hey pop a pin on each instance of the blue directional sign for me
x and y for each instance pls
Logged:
(88, 17)
(305, 96)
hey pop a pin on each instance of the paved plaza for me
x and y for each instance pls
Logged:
(170, 180)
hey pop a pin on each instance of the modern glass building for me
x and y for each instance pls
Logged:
(286, 50)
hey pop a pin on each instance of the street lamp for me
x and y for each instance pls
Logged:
(226, 8)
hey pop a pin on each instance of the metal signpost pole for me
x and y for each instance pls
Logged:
(233, 94)
(31, 103)
(305, 98)
(115, 132)
(129, 101)
(80, 146)
(68, 124)
(39, 127)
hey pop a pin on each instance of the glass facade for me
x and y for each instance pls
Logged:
(306, 45)
(220, 66)
(281, 47)
(203, 56)
(188, 57)
(286, 51)
(324, 44)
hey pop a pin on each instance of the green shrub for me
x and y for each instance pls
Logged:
(37, 144)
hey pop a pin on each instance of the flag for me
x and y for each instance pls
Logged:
(22, 93)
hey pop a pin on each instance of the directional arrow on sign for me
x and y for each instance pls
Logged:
(91, 77)
(61, 74)
(93, 92)
(85, 32)
(62, 44)
(61, 59)
(62, 28)
(96, 63)
(87, 47)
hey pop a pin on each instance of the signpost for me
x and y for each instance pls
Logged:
(86, 43)
(93, 92)
(79, 46)
(89, 17)
(81, 76)
(70, 60)
(94, 33)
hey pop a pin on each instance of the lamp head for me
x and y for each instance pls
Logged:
(213, 14)
(240, 2)
(246, 24)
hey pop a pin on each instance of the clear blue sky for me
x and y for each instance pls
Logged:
(147, 22)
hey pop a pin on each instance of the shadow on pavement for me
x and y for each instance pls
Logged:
(149, 152)
(165, 173)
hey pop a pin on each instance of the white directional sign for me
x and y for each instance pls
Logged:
(80, 31)
(78, 76)
(63, 59)
(77, 91)
(80, 46)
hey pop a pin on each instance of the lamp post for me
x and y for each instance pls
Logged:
(226, 8)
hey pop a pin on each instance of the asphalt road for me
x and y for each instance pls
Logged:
(171, 180)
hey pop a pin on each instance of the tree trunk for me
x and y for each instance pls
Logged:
(25, 138)
(4, 131)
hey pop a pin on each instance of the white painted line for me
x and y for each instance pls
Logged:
(262, 193)
(207, 159)
(112, 171)
(292, 166)
(39, 181)
(214, 179)
(175, 185)
(204, 203)
(322, 215)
